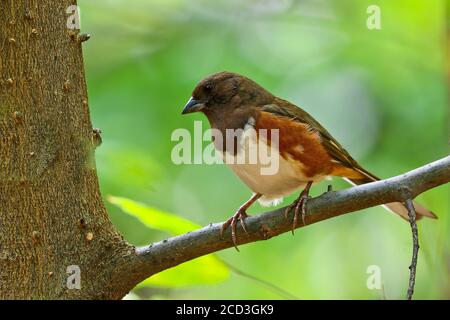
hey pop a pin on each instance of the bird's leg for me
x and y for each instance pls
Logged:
(299, 204)
(240, 215)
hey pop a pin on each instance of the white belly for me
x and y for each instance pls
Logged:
(285, 175)
(272, 187)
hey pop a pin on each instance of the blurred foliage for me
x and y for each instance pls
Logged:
(382, 93)
(154, 218)
(204, 270)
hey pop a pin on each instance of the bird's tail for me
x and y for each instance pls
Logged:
(363, 176)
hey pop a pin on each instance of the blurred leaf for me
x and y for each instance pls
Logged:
(204, 270)
(154, 218)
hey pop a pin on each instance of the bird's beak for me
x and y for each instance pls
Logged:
(193, 106)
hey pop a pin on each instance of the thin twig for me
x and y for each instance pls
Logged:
(415, 236)
(265, 283)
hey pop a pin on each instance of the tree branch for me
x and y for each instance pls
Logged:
(171, 252)
(415, 236)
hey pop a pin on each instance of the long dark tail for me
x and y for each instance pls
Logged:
(396, 207)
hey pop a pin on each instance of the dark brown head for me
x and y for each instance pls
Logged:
(223, 92)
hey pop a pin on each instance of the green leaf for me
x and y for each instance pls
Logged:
(154, 218)
(203, 270)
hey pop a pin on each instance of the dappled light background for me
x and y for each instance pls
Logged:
(382, 93)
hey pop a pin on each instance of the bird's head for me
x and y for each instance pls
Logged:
(222, 91)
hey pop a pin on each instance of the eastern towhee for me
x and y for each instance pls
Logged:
(307, 151)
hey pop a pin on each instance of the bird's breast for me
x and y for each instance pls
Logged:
(257, 157)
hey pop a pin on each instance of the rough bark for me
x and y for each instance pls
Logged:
(50, 204)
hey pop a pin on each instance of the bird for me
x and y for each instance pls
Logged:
(306, 152)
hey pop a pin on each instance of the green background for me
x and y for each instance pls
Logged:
(382, 93)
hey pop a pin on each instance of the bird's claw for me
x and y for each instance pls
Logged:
(232, 222)
(298, 205)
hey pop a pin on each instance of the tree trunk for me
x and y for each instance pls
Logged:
(51, 212)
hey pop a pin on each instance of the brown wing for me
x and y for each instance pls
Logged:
(296, 141)
(346, 165)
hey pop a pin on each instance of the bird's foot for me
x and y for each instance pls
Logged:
(239, 215)
(299, 205)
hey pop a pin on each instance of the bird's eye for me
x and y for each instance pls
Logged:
(208, 87)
